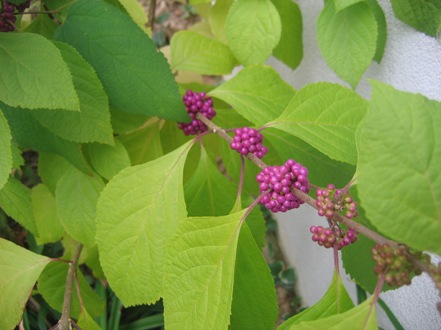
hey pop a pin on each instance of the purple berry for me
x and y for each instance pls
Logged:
(248, 140)
(279, 180)
(196, 103)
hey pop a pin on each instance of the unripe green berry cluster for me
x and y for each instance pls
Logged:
(393, 264)
(333, 236)
(331, 200)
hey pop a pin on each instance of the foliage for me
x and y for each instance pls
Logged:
(118, 207)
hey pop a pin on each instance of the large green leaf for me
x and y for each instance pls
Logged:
(27, 132)
(19, 270)
(361, 317)
(200, 273)
(76, 196)
(257, 93)
(52, 284)
(218, 18)
(254, 296)
(15, 200)
(191, 51)
(92, 122)
(253, 30)
(398, 167)
(423, 15)
(208, 192)
(34, 79)
(381, 28)
(134, 74)
(322, 169)
(342, 4)
(347, 39)
(51, 168)
(144, 144)
(108, 160)
(290, 47)
(138, 211)
(42, 25)
(326, 116)
(5, 151)
(335, 301)
(44, 210)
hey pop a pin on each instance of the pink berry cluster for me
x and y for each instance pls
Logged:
(197, 103)
(393, 264)
(333, 236)
(331, 200)
(248, 140)
(7, 16)
(279, 180)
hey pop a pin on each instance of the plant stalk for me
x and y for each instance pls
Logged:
(65, 315)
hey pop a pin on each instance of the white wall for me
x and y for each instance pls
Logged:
(411, 62)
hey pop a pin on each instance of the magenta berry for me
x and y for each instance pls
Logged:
(7, 17)
(248, 140)
(279, 180)
(328, 237)
(331, 200)
(197, 103)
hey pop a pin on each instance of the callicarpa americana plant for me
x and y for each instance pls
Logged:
(136, 183)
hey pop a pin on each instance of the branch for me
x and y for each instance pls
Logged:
(64, 323)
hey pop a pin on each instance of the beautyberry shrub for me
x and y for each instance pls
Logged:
(196, 103)
(248, 140)
(394, 264)
(331, 200)
(7, 16)
(278, 182)
(328, 237)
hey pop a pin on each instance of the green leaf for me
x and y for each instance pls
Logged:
(191, 51)
(322, 169)
(200, 272)
(123, 122)
(253, 30)
(254, 296)
(86, 322)
(28, 79)
(5, 151)
(423, 15)
(208, 192)
(27, 132)
(289, 50)
(335, 301)
(92, 122)
(124, 65)
(398, 168)
(52, 284)
(51, 168)
(44, 210)
(108, 160)
(76, 196)
(326, 116)
(17, 158)
(381, 29)
(144, 145)
(136, 12)
(138, 211)
(19, 270)
(15, 200)
(42, 25)
(257, 93)
(342, 4)
(347, 39)
(218, 18)
(364, 316)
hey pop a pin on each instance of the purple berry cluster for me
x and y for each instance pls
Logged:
(197, 103)
(334, 236)
(331, 200)
(248, 140)
(7, 17)
(279, 180)
(393, 264)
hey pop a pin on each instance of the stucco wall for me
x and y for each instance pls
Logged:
(411, 62)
